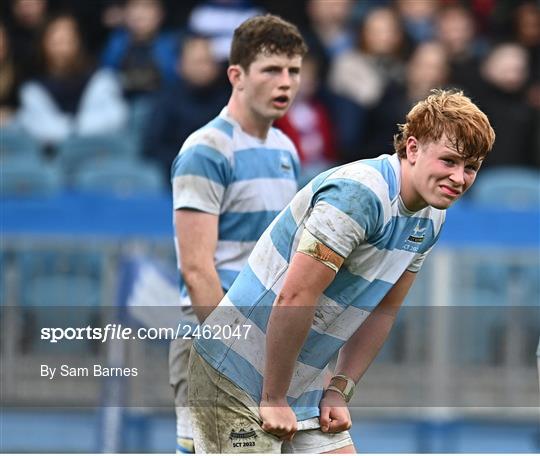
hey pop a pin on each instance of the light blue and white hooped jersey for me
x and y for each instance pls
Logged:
(355, 210)
(247, 181)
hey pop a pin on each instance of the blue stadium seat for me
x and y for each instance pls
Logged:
(34, 263)
(17, 143)
(119, 177)
(490, 287)
(61, 300)
(82, 268)
(59, 289)
(29, 176)
(77, 151)
(62, 290)
(511, 187)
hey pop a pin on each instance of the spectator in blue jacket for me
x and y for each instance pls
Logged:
(142, 54)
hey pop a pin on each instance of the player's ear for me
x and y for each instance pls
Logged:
(235, 74)
(412, 149)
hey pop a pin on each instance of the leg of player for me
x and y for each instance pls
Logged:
(178, 361)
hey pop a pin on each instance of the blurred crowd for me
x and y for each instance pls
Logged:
(155, 69)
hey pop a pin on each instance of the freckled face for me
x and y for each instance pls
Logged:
(439, 175)
(270, 85)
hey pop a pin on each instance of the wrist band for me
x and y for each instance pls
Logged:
(343, 385)
(337, 390)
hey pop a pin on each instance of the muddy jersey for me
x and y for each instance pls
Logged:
(356, 211)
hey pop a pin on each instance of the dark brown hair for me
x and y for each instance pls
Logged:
(449, 113)
(267, 34)
(81, 62)
(361, 41)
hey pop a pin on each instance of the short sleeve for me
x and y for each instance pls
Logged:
(417, 261)
(199, 177)
(345, 213)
